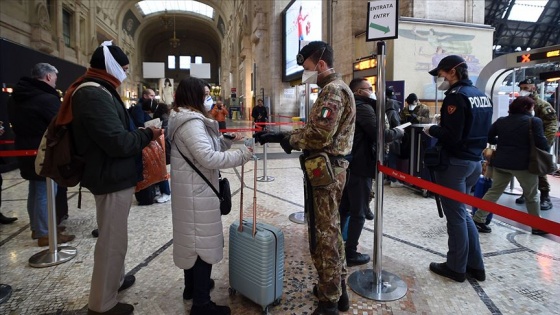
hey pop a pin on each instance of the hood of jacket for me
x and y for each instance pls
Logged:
(179, 118)
(28, 88)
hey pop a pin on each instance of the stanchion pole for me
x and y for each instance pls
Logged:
(265, 178)
(55, 255)
(378, 284)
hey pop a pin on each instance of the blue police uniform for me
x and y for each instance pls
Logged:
(466, 116)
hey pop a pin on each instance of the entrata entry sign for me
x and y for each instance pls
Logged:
(382, 20)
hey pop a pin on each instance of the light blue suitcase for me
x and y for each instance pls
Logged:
(256, 259)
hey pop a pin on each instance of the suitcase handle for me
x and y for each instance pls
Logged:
(240, 228)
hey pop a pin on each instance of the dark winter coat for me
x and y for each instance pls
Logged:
(31, 108)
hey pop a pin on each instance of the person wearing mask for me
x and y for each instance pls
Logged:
(511, 158)
(259, 113)
(32, 106)
(547, 114)
(219, 112)
(466, 116)
(162, 112)
(362, 170)
(208, 101)
(329, 130)
(392, 109)
(198, 240)
(112, 150)
(140, 113)
(414, 111)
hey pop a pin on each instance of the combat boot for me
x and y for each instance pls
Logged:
(326, 308)
(343, 301)
(546, 204)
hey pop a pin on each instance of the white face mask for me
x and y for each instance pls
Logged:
(309, 76)
(411, 106)
(533, 113)
(372, 96)
(208, 102)
(111, 65)
(442, 84)
(524, 93)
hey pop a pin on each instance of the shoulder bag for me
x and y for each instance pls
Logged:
(225, 192)
(540, 162)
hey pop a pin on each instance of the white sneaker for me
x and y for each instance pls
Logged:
(164, 198)
(396, 185)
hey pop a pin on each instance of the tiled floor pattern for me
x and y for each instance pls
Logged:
(523, 271)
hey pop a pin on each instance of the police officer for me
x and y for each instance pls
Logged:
(466, 116)
(330, 130)
(546, 113)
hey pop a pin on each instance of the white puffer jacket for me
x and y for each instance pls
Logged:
(197, 223)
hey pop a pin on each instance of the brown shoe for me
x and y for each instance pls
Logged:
(59, 229)
(61, 238)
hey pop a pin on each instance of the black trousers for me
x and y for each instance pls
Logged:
(354, 204)
(198, 279)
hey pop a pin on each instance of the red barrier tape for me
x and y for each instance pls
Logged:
(240, 129)
(7, 141)
(281, 116)
(279, 123)
(12, 153)
(518, 216)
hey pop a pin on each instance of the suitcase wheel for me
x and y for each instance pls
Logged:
(276, 302)
(232, 291)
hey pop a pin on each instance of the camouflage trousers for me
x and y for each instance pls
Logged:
(329, 257)
(543, 180)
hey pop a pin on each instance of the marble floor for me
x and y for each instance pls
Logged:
(523, 270)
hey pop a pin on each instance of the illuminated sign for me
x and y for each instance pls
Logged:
(365, 64)
(538, 56)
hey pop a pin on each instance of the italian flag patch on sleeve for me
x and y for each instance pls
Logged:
(326, 112)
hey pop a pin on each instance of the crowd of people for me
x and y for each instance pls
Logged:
(341, 130)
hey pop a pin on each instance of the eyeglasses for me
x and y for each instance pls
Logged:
(368, 88)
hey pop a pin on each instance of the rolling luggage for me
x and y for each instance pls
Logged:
(256, 257)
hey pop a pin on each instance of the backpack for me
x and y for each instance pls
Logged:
(57, 157)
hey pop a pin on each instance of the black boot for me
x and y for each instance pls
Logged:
(520, 200)
(353, 258)
(210, 308)
(546, 204)
(343, 301)
(6, 220)
(326, 308)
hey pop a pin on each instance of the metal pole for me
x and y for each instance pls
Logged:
(377, 284)
(265, 178)
(54, 255)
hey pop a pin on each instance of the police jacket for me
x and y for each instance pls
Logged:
(511, 134)
(363, 159)
(105, 136)
(466, 116)
(32, 106)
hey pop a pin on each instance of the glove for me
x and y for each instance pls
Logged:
(427, 130)
(400, 133)
(268, 137)
(285, 144)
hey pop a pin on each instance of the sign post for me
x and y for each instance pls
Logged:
(378, 284)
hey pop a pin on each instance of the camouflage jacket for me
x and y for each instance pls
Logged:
(330, 125)
(547, 114)
(419, 115)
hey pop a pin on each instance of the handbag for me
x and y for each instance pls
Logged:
(540, 162)
(153, 164)
(435, 158)
(225, 191)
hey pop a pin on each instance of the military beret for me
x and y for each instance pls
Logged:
(98, 58)
(309, 50)
(527, 81)
(447, 63)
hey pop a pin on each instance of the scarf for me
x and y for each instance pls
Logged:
(64, 116)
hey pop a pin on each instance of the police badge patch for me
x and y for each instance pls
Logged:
(451, 109)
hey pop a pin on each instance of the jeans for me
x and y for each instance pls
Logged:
(463, 243)
(37, 207)
(164, 187)
(354, 204)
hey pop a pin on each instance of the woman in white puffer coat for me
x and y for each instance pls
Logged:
(198, 240)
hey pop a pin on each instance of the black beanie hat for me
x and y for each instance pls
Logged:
(98, 58)
(411, 98)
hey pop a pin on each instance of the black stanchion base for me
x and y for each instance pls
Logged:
(5, 292)
(297, 217)
(364, 283)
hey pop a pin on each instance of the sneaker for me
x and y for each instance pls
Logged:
(210, 308)
(188, 293)
(520, 200)
(357, 259)
(546, 204)
(163, 198)
(538, 232)
(60, 238)
(396, 185)
(482, 228)
(479, 275)
(386, 182)
(369, 214)
(127, 282)
(442, 270)
(119, 309)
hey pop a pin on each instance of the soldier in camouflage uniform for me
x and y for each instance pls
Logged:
(414, 111)
(330, 130)
(547, 114)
